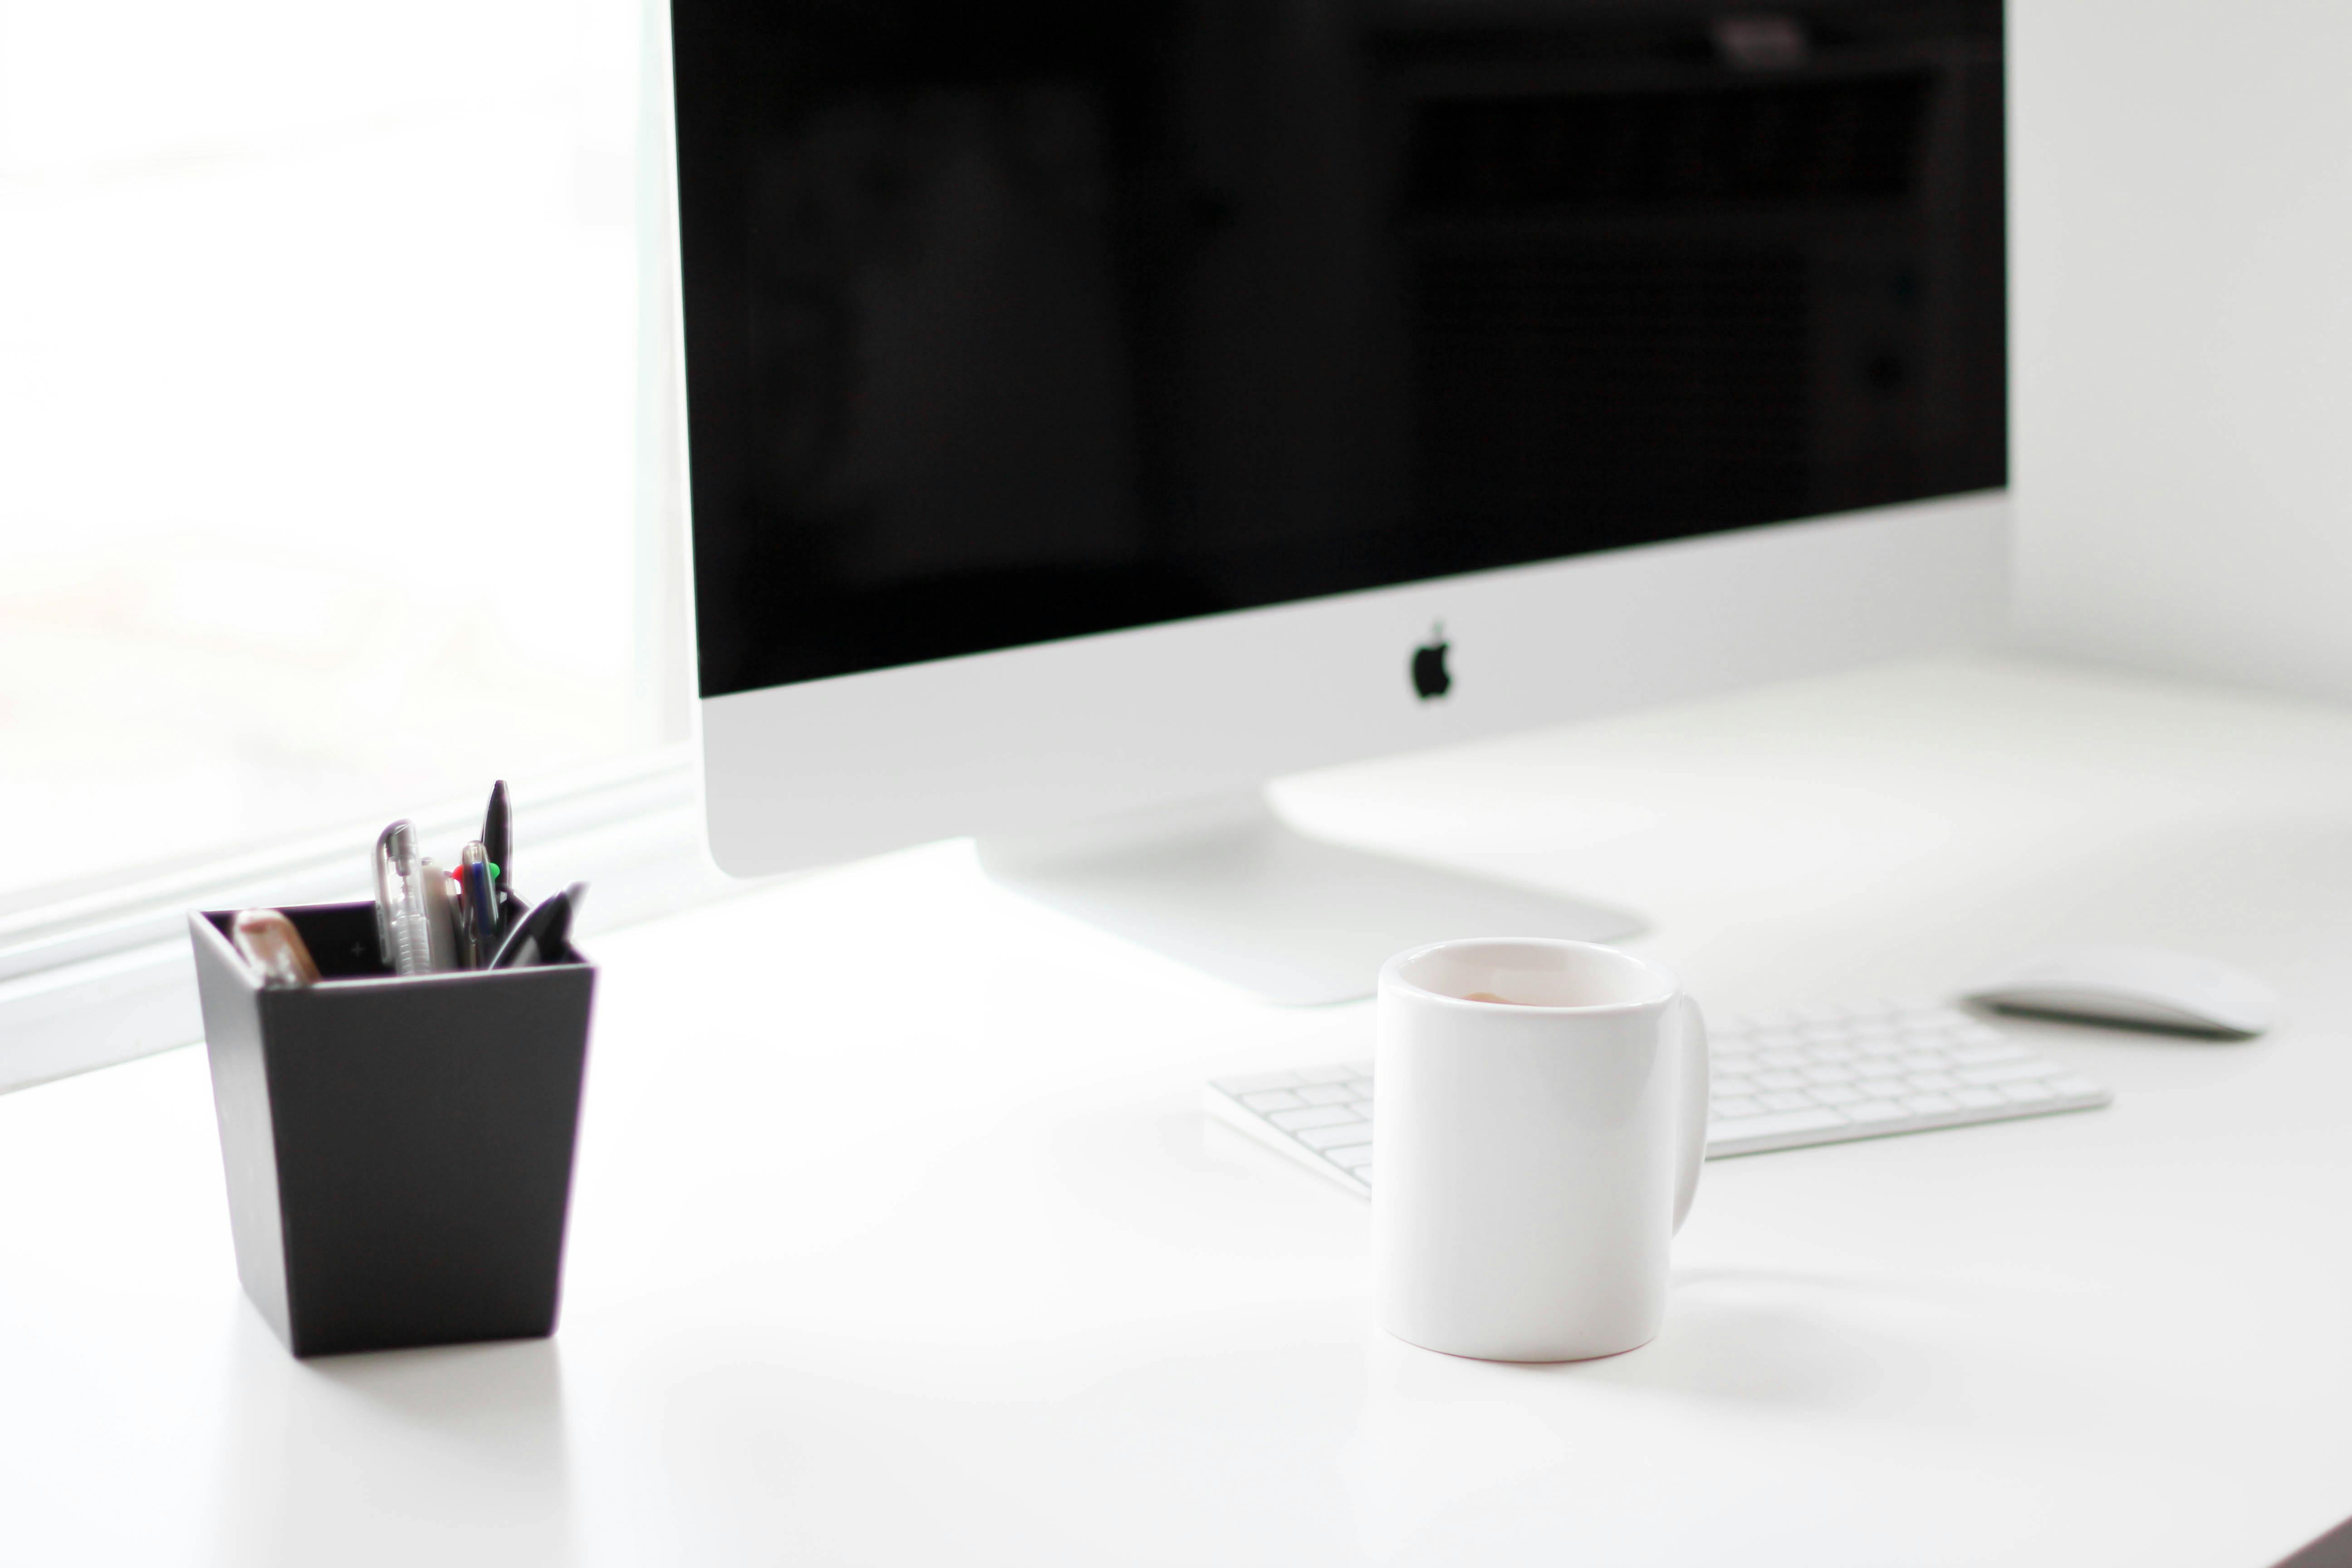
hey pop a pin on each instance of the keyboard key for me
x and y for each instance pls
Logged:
(2073, 1085)
(2002, 1072)
(1977, 1098)
(1336, 1137)
(1340, 1074)
(1835, 1093)
(1273, 1100)
(1929, 1104)
(1934, 1082)
(1252, 1082)
(1828, 1072)
(1815, 1121)
(1884, 1088)
(1781, 1059)
(1735, 1062)
(1982, 1052)
(1921, 1061)
(1356, 1157)
(2025, 1093)
(1313, 1116)
(1843, 1052)
(1730, 1106)
(1788, 1099)
(1732, 1083)
(1362, 1089)
(1326, 1094)
(1779, 1080)
(1872, 1110)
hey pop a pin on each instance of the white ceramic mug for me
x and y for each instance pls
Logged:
(1541, 1108)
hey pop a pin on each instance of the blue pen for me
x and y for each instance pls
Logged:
(480, 921)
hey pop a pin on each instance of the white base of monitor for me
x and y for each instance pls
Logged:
(1026, 739)
(1224, 885)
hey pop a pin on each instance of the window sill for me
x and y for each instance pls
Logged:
(107, 978)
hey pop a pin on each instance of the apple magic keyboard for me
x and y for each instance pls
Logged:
(1782, 1080)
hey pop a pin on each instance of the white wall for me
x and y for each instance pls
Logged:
(2182, 266)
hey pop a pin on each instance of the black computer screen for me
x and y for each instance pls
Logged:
(1008, 322)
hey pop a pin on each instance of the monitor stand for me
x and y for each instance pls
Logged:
(1225, 886)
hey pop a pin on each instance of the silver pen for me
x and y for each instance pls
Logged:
(403, 916)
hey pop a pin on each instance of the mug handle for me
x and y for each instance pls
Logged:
(1693, 1028)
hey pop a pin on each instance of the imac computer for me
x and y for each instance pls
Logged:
(1095, 408)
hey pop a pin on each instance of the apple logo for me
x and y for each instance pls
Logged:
(1429, 677)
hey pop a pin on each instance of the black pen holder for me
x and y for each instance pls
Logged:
(399, 1151)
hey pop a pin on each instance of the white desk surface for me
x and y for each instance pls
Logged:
(898, 1236)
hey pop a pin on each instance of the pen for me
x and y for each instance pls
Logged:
(543, 935)
(266, 940)
(404, 917)
(477, 923)
(497, 843)
(377, 859)
(461, 925)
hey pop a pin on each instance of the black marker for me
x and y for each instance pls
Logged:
(542, 935)
(497, 843)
